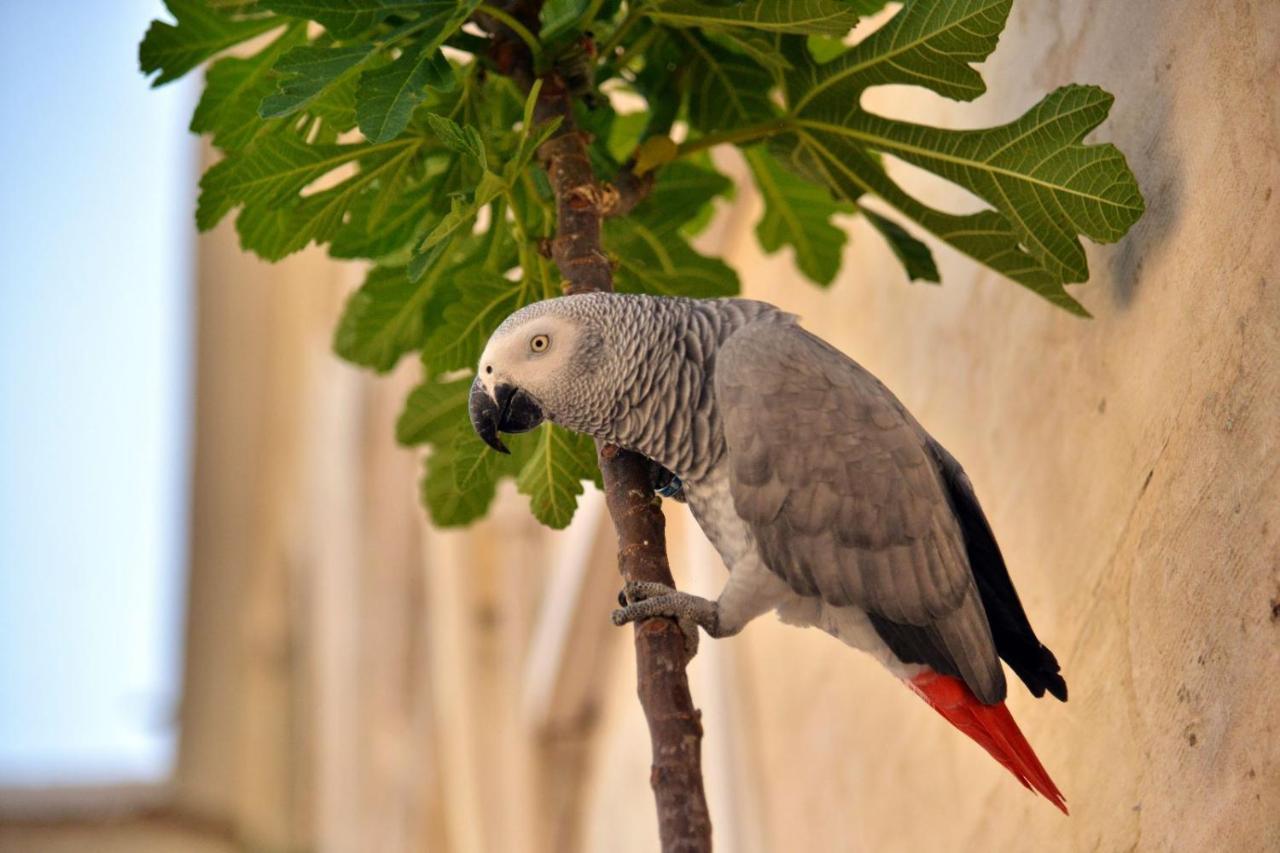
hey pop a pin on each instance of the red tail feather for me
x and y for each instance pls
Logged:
(991, 726)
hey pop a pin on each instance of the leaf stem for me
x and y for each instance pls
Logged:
(517, 222)
(734, 137)
(532, 189)
(510, 22)
(589, 14)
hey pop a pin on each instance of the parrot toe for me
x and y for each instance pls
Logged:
(644, 600)
(633, 592)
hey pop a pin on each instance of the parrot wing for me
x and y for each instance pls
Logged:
(837, 483)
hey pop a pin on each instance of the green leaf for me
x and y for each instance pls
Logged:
(268, 181)
(448, 505)
(798, 213)
(558, 16)
(925, 44)
(1035, 171)
(915, 256)
(654, 152)
(336, 107)
(1045, 186)
(390, 216)
(663, 263)
(304, 72)
(652, 253)
(228, 107)
(464, 140)
(462, 472)
(552, 477)
(682, 195)
(271, 173)
(388, 96)
(823, 49)
(821, 17)
(761, 47)
(433, 412)
(462, 214)
(344, 18)
(726, 90)
(986, 236)
(475, 464)
(385, 318)
(200, 32)
(623, 133)
(274, 231)
(472, 304)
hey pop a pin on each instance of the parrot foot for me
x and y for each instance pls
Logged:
(643, 599)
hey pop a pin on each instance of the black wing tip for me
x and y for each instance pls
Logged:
(1044, 675)
(1054, 684)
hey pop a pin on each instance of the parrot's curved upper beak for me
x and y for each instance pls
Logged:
(508, 410)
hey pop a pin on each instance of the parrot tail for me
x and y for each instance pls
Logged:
(991, 726)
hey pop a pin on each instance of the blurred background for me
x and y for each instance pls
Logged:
(226, 626)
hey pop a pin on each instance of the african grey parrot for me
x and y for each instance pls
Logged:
(826, 499)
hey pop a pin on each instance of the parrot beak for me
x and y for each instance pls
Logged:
(508, 410)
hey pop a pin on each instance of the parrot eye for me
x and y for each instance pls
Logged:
(539, 343)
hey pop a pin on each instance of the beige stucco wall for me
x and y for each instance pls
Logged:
(358, 682)
(1128, 464)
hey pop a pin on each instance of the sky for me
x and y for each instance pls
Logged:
(96, 264)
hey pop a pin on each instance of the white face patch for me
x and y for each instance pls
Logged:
(528, 356)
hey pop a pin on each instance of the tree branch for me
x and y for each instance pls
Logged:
(675, 725)
(626, 191)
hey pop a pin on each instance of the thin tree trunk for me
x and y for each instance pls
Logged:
(675, 725)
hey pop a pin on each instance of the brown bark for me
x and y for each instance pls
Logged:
(675, 725)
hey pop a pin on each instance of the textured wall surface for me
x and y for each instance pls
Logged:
(357, 682)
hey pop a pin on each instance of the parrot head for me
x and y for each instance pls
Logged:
(539, 365)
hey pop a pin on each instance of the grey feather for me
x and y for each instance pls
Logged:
(836, 481)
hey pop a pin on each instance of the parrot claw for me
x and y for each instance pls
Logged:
(636, 591)
(643, 600)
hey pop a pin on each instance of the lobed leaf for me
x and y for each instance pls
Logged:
(925, 44)
(464, 140)
(234, 87)
(727, 90)
(344, 18)
(461, 216)
(388, 96)
(199, 33)
(821, 17)
(1045, 186)
(448, 505)
(552, 477)
(390, 216)
(433, 412)
(798, 213)
(683, 194)
(385, 318)
(915, 256)
(304, 72)
(664, 263)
